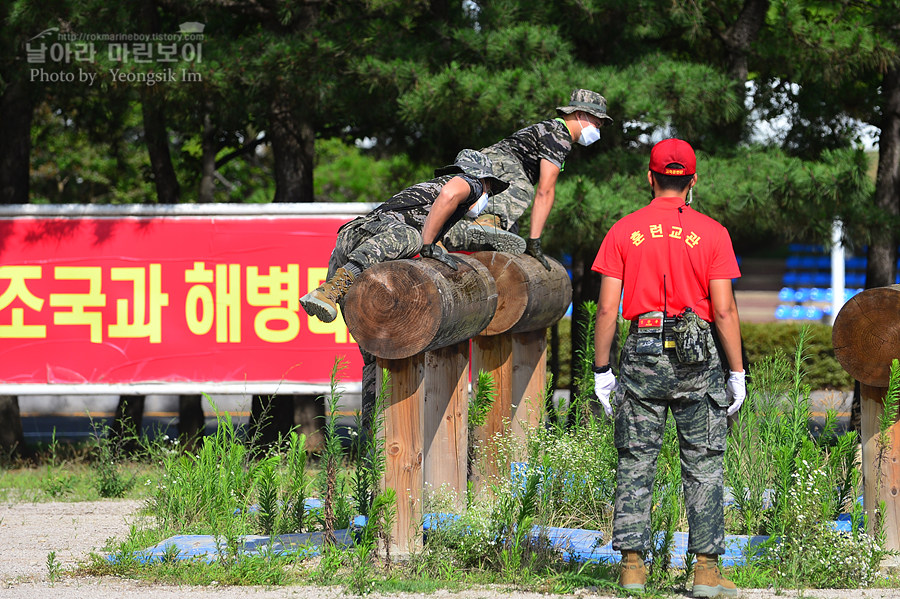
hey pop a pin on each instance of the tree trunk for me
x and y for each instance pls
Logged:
(741, 35)
(12, 438)
(309, 416)
(128, 421)
(293, 149)
(157, 139)
(207, 162)
(191, 421)
(15, 150)
(881, 264)
(271, 418)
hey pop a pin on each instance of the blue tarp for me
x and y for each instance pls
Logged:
(579, 545)
(206, 547)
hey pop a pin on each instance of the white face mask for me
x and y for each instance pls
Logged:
(479, 205)
(589, 135)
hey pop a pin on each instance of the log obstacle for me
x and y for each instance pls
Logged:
(866, 338)
(513, 348)
(417, 317)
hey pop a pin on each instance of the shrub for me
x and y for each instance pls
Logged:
(821, 369)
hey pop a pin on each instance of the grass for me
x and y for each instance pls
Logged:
(786, 482)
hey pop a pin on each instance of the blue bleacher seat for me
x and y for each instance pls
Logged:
(854, 279)
(817, 294)
(855, 263)
(802, 294)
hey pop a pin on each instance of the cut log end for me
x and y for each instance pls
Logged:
(400, 308)
(530, 297)
(866, 335)
(392, 307)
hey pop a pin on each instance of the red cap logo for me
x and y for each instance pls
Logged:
(673, 157)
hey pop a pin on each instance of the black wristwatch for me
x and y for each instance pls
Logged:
(600, 369)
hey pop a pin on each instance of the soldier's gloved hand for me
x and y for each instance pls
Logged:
(735, 391)
(604, 384)
(436, 252)
(533, 248)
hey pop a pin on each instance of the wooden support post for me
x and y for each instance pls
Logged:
(529, 354)
(493, 355)
(513, 347)
(404, 445)
(881, 482)
(866, 339)
(446, 415)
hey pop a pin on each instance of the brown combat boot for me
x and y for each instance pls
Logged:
(322, 301)
(633, 576)
(708, 582)
(485, 232)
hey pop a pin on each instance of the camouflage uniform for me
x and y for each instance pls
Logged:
(649, 385)
(517, 160)
(393, 230)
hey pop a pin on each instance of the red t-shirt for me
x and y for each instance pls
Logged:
(666, 258)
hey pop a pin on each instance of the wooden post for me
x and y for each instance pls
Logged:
(513, 347)
(416, 317)
(866, 338)
(404, 445)
(881, 482)
(529, 352)
(446, 414)
(493, 355)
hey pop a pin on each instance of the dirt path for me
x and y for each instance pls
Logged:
(29, 531)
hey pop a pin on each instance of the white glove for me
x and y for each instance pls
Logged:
(735, 391)
(604, 384)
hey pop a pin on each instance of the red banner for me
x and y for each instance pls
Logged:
(166, 299)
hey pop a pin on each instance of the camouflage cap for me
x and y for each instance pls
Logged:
(475, 164)
(587, 101)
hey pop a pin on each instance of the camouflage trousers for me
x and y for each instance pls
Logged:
(374, 238)
(649, 386)
(507, 206)
(367, 241)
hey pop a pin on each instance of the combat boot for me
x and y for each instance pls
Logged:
(322, 301)
(633, 576)
(485, 232)
(708, 581)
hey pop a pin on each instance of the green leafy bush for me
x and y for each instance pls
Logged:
(821, 369)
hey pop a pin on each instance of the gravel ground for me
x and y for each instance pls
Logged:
(29, 531)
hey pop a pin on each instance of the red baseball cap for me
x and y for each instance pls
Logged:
(673, 157)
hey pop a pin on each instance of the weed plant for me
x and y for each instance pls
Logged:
(111, 479)
(789, 485)
(784, 483)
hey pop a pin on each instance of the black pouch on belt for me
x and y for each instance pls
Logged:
(649, 334)
(691, 337)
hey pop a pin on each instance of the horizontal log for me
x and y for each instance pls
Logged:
(866, 335)
(529, 297)
(401, 308)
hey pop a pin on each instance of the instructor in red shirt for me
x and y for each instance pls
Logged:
(672, 269)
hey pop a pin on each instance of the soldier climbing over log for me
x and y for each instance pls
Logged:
(531, 160)
(411, 222)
